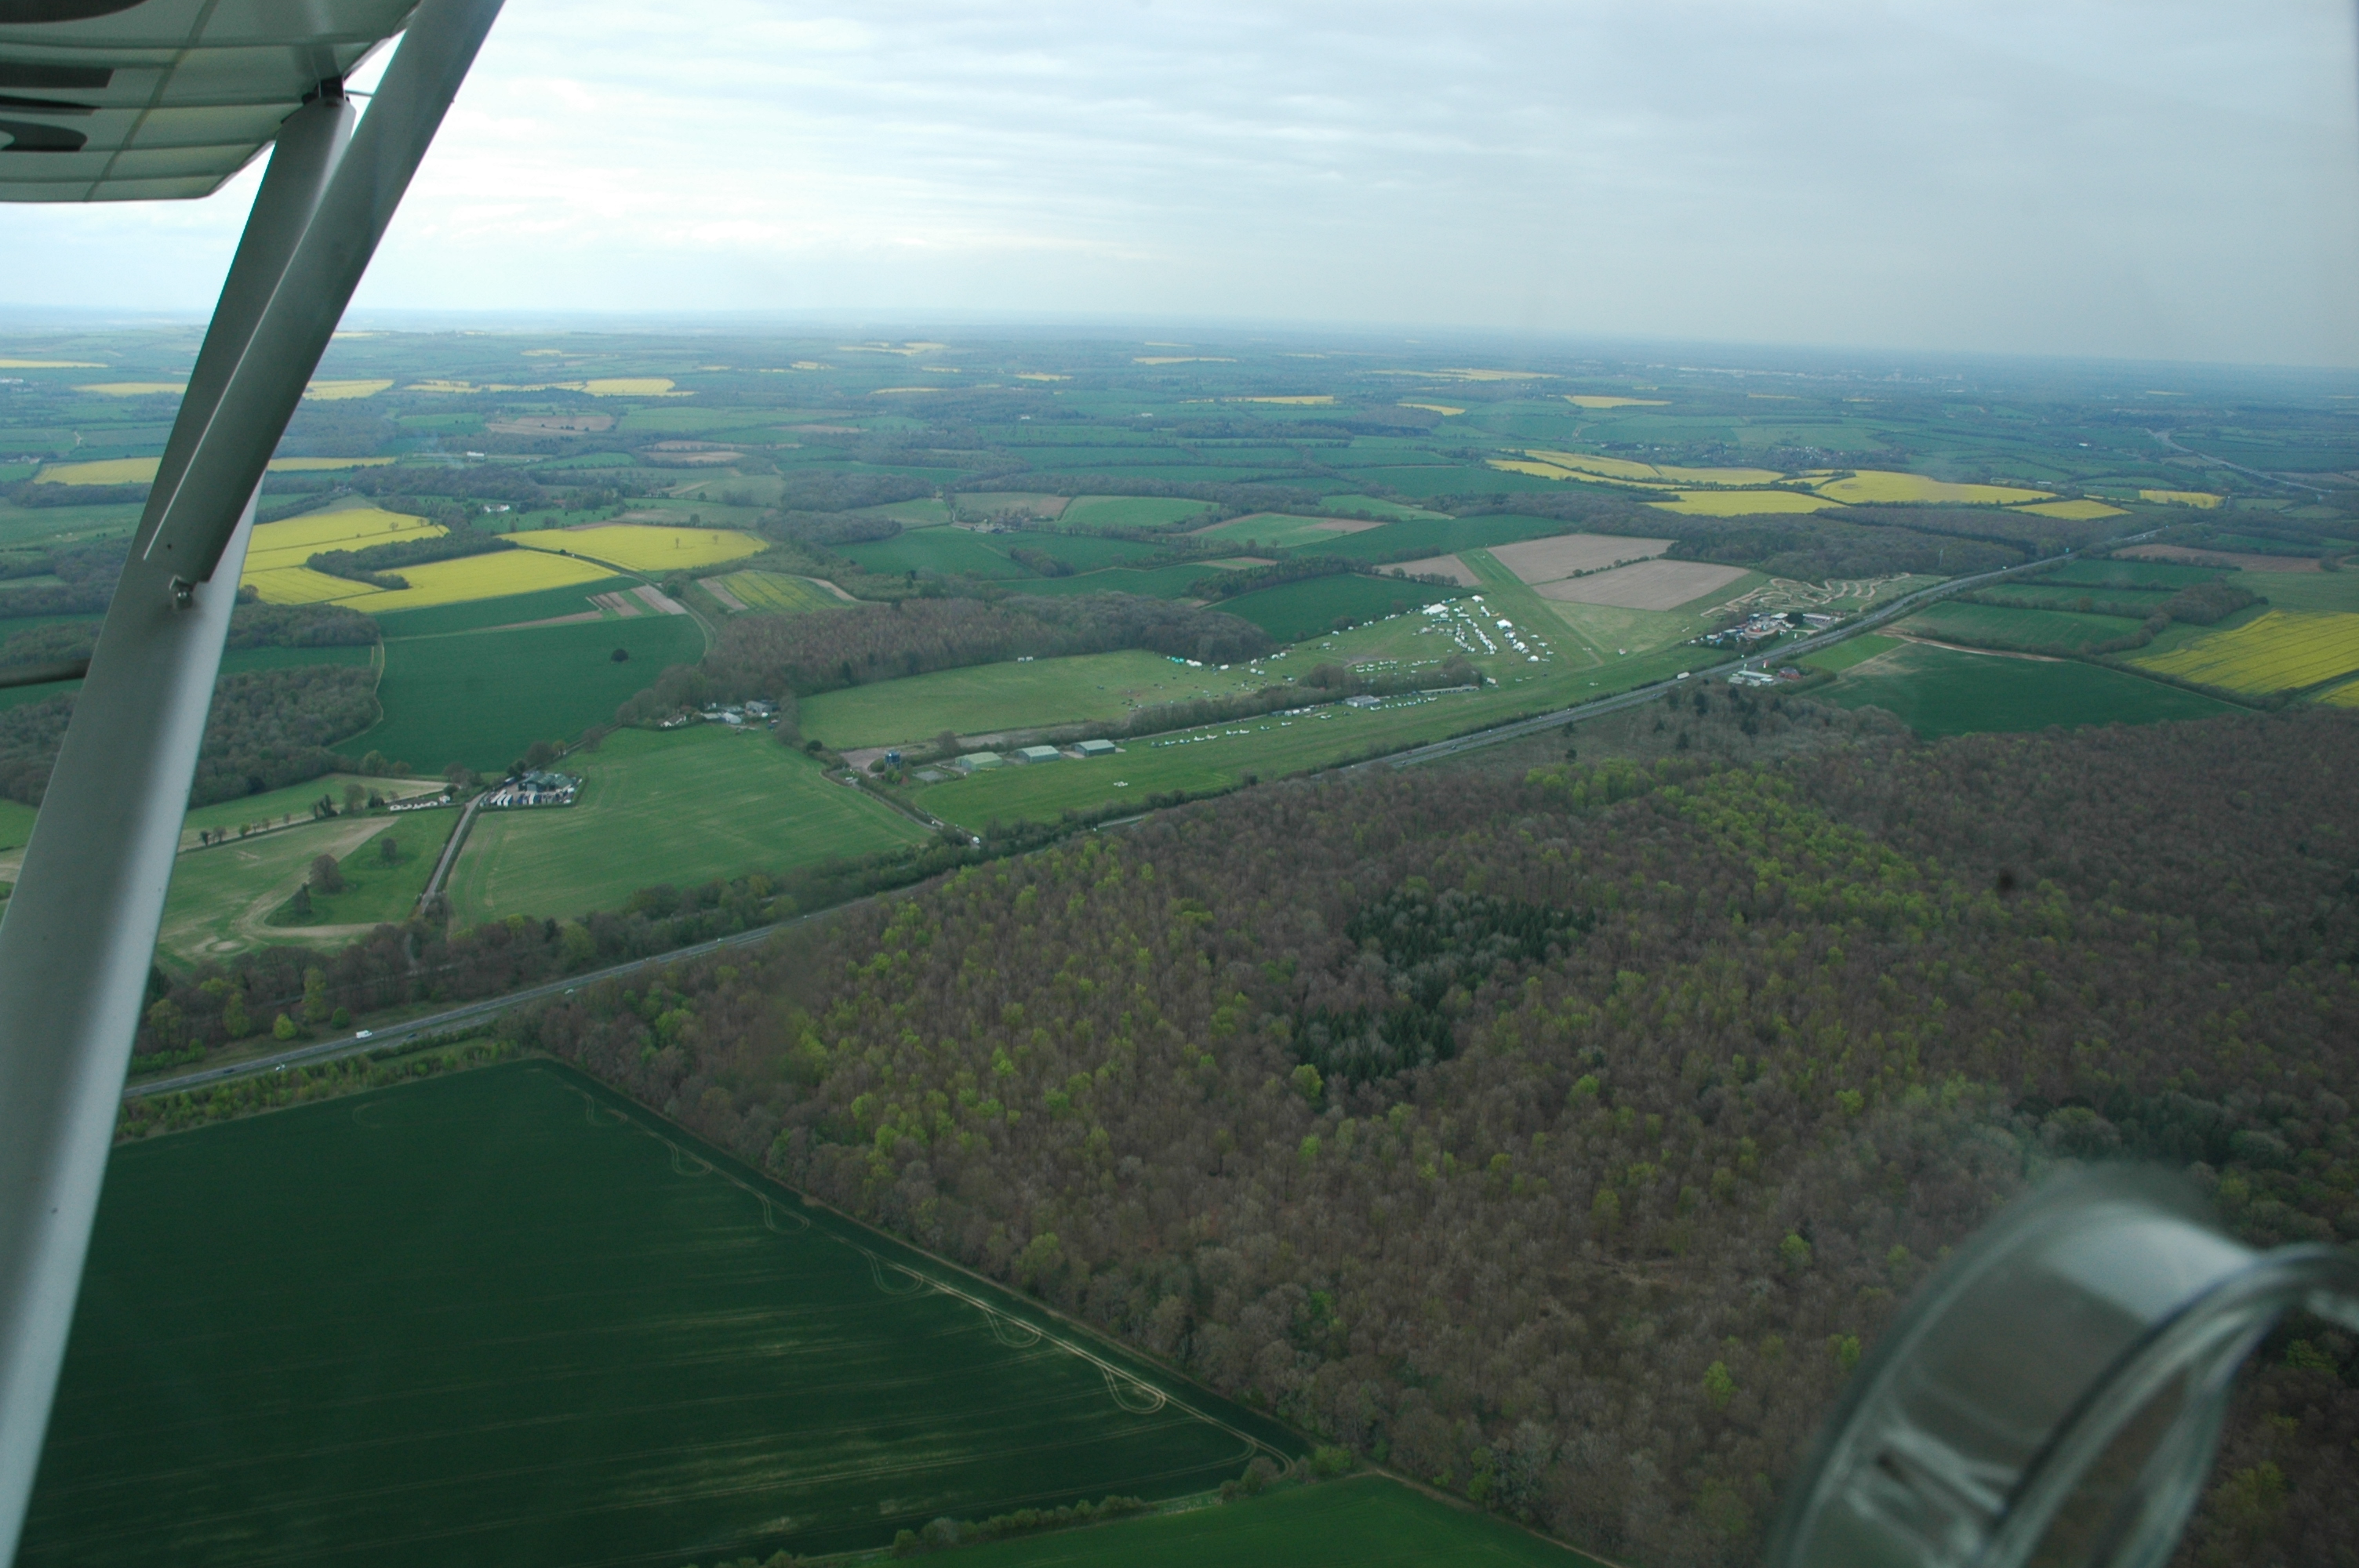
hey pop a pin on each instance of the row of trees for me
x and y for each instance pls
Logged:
(761, 656)
(1564, 1140)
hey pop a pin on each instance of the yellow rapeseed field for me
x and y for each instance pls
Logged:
(339, 391)
(300, 585)
(630, 386)
(2082, 510)
(1441, 409)
(2283, 650)
(135, 388)
(1744, 502)
(50, 364)
(481, 576)
(650, 548)
(1622, 468)
(1883, 485)
(2202, 498)
(140, 471)
(109, 470)
(1595, 400)
(2344, 696)
(291, 543)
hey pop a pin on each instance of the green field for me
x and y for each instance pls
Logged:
(15, 824)
(1154, 582)
(937, 550)
(2007, 627)
(516, 610)
(481, 699)
(1277, 531)
(375, 891)
(1130, 512)
(1442, 536)
(1368, 1521)
(987, 697)
(777, 593)
(1850, 651)
(1298, 610)
(1215, 757)
(2305, 590)
(1938, 692)
(221, 899)
(2130, 574)
(964, 550)
(504, 1317)
(683, 809)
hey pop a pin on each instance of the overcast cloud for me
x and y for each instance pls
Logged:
(2149, 180)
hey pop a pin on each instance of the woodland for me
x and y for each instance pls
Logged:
(1562, 1138)
(266, 728)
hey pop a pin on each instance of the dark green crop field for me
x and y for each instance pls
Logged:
(2130, 574)
(481, 699)
(1937, 692)
(2005, 626)
(1300, 610)
(502, 1318)
(1370, 1521)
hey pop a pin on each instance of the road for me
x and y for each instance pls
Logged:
(456, 1019)
(481, 1013)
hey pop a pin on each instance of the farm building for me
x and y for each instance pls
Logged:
(1363, 702)
(1096, 748)
(1039, 755)
(975, 762)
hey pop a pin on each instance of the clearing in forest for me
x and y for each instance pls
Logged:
(2281, 650)
(590, 1337)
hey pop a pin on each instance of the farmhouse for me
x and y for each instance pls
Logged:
(536, 788)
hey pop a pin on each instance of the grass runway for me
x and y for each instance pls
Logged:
(503, 1317)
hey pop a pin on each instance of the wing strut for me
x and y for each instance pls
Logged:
(77, 938)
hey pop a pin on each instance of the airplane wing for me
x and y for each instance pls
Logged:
(141, 100)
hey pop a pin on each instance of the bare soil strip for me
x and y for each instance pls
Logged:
(621, 604)
(662, 603)
(1648, 584)
(713, 586)
(1545, 560)
(1450, 567)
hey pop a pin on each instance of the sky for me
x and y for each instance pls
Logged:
(2147, 180)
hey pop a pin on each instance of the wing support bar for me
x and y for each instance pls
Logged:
(78, 937)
